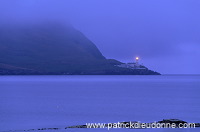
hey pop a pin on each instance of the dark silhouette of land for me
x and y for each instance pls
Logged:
(54, 49)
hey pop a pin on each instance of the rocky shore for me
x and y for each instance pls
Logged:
(176, 122)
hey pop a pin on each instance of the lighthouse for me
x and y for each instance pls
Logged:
(136, 61)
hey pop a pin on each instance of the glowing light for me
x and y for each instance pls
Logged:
(137, 58)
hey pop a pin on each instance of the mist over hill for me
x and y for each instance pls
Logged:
(53, 48)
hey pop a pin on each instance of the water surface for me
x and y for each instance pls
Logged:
(58, 101)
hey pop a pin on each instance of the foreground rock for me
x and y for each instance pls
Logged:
(165, 123)
(113, 125)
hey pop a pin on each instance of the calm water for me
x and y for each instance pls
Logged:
(58, 101)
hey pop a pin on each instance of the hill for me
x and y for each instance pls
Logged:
(53, 49)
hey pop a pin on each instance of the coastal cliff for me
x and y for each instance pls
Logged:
(54, 49)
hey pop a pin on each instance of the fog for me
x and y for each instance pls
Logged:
(165, 34)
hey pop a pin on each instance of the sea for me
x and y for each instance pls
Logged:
(59, 101)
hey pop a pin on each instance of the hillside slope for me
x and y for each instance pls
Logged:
(52, 49)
